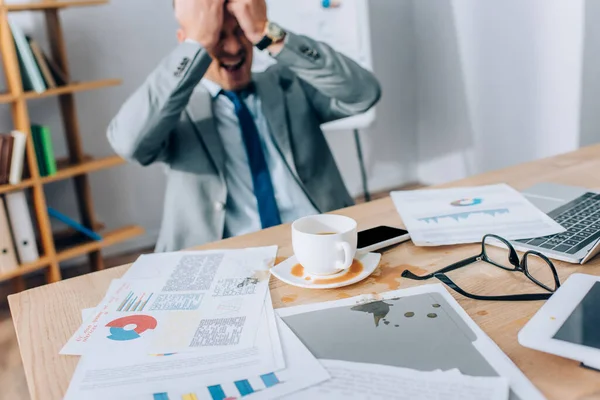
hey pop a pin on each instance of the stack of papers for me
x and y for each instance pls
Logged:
(437, 217)
(190, 325)
(351, 380)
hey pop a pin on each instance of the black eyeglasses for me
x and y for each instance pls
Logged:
(544, 275)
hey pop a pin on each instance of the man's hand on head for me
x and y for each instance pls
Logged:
(201, 20)
(252, 17)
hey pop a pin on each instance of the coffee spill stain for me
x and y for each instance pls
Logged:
(298, 271)
(279, 260)
(379, 309)
(355, 269)
(261, 275)
(389, 276)
(307, 278)
(482, 313)
(290, 298)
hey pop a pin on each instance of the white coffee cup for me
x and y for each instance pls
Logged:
(324, 244)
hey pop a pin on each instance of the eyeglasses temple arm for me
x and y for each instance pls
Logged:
(513, 297)
(408, 274)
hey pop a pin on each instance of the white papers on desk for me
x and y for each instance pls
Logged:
(464, 215)
(204, 302)
(501, 365)
(350, 380)
(281, 367)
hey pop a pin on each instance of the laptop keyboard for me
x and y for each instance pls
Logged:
(581, 218)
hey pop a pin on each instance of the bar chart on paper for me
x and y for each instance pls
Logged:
(465, 215)
(229, 391)
(437, 217)
(135, 302)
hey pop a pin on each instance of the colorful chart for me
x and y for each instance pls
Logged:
(464, 215)
(467, 202)
(331, 3)
(233, 391)
(142, 323)
(135, 303)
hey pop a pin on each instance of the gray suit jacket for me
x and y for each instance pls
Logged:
(169, 120)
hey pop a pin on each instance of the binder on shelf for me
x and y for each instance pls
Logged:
(18, 157)
(73, 224)
(6, 149)
(22, 227)
(8, 257)
(26, 59)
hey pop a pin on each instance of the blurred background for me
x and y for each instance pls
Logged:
(469, 86)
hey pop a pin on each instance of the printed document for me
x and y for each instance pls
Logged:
(206, 302)
(437, 217)
(235, 374)
(350, 380)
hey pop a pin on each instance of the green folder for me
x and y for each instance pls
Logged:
(47, 150)
(42, 141)
(35, 129)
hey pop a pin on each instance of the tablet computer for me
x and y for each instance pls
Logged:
(568, 324)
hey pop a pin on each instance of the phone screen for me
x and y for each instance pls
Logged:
(378, 234)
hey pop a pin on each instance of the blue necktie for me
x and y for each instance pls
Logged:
(261, 179)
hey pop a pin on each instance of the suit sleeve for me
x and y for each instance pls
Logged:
(142, 128)
(336, 86)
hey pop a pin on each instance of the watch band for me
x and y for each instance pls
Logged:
(265, 42)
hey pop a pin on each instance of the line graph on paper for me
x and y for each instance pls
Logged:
(435, 219)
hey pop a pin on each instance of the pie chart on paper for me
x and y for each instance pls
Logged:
(467, 202)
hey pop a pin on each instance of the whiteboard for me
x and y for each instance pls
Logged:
(344, 26)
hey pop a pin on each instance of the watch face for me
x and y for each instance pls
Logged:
(275, 31)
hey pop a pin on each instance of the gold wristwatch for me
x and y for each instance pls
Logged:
(273, 34)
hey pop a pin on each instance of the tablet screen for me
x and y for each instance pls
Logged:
(583, 325)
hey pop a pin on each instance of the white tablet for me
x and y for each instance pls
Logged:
(568, 324)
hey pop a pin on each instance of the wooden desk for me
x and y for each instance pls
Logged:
(47, 316)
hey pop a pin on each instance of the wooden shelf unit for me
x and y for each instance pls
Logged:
(52, 5)
(76, 166)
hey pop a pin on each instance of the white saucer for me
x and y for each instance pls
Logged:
(283, 271)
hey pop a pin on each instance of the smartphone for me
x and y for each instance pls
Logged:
(380, 237)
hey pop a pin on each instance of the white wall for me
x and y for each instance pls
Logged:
(126, 39)
(517, 63)
(590, 97)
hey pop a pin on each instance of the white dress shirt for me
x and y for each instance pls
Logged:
(241, 209)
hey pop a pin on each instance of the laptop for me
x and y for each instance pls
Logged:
(575, 208)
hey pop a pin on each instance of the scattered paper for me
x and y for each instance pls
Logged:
(351, 380)
(464, 215)
(494, 362)
(101, 376)
(196, 301)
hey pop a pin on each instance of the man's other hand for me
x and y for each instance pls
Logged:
(252, 17)
(201, 20)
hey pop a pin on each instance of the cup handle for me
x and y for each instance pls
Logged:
(347, 256)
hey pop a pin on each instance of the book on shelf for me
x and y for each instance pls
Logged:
(6, 148)
(12, 155)
(41, 62)
(44, 151)
(30, 73)
(38, 71)
(74, 224)
(18, 157)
